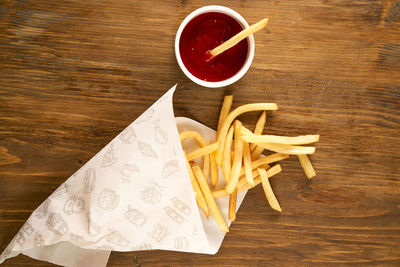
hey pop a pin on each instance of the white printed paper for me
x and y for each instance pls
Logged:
(135, 194)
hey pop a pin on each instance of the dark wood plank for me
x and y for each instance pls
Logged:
(73, 74)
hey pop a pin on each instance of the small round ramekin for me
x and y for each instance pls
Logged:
(250, 51)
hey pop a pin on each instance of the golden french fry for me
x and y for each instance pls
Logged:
(247, 163)
(250, 137)
(226, 160)
(210, 200)
(237, 159)
(214, 170)
(273, 202)
(225, 109)
(232, 205)
(242, 166)
(243, 181)
(193, 134)
(260, 124)
(257, 152)
(288, 149)
(307, 166)
(219, 193)
(202, 143)
(239, 37)
(201, 202)
(243, 185)
(202, 151)
(266, 160)
(257, 180)
(231, 117)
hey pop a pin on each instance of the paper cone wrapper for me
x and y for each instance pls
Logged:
(135, 194)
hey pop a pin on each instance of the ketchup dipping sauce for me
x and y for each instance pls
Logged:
(200, 35)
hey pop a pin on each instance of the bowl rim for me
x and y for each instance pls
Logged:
(250, 54)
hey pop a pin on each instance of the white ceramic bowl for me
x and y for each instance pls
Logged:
(250, 40)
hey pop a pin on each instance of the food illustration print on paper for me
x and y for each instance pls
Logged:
(159, 233)
(135, 216)
(89, 180)
(75, 238)
(27, 229)
(145, 116)
(170, 167)
(19, 237)
(127, 171)
(74, 205)
(181, 243)
(142, 246)
(146, 150)
(174, 215)
(182, 207)
(108, 200)
(108, 158)
(42, 210)
(61, 190)
(150, 195)
(116, 238)
(160, 135)
(80, 240)
(127, 136)
(38, 240)
(57, 224)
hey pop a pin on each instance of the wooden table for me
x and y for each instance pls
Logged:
(74, 73)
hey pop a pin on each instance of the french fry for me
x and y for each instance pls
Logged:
(232, 205)
(239, 37)
(201, 202)
(273, 202)
(202, 143)
(202, 151)
(266, 160)
(225, 109)
(237, 159)
(260, 124)
(247, 163)
(210, 200)
(257, 152)
(214, 169)
(219, 193)
(242, 166)
(307, 166)
(250, 137)
(243, 181)
(243, 185)
(289, 149)
(231, 117)
(226, 160)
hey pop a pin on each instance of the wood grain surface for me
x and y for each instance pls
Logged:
(74, 73)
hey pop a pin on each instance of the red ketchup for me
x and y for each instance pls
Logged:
(201, 35)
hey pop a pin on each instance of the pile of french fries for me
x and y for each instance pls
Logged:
(237, 152)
